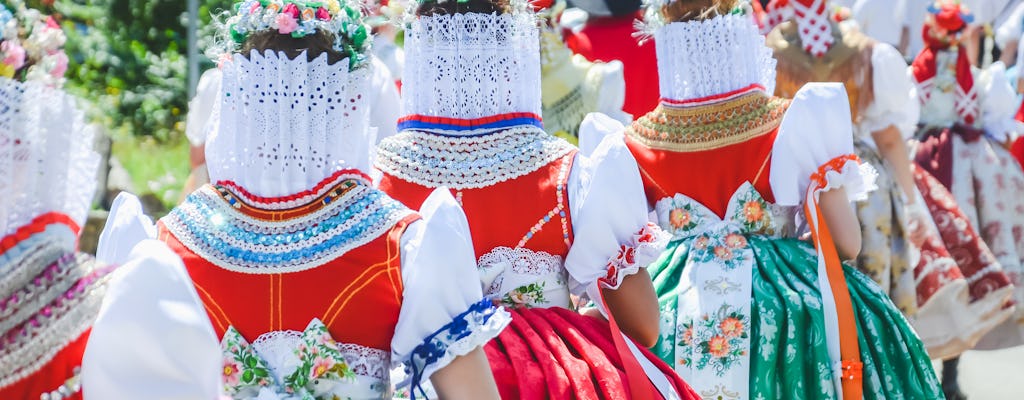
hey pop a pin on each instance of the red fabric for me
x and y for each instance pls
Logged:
(554, 353)
(1018, 150)
(37, 225)
(971, 254)
(611, 38)
(500, 215)
(924, 68)
(364, 286)
(52, 375)
(721, 171)
(935, 151)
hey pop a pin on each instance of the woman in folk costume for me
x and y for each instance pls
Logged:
(547, 222)
(748, 310)
(49, 291)
(316, 282)
(571, 86)
(908, 251)
(966, 121)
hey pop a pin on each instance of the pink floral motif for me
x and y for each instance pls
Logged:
(286, 24)
(320, 367)
(232, 371)
(15, 54)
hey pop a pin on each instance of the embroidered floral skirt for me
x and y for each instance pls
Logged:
(555, 353)
(788, 355)
(987, 183)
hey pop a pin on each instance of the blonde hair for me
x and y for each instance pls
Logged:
(696, 10)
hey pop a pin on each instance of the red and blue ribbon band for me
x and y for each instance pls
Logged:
(508, 120)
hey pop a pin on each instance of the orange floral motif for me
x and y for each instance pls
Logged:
(679, 218)
(688, 336)
(718, 346)
(731, 327)
(701, 243)
(753, 210)
(723, 253)
(735, 241)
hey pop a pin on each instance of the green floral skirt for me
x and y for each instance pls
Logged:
(789, 356)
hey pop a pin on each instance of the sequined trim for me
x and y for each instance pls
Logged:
(51, 310)
(211, 227)
(473, 162)
(709, 126)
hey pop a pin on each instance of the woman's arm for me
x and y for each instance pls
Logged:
(894, 150)
(842, 222)
(635, 307)
(467, 377)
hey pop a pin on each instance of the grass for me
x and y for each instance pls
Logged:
(157, 167)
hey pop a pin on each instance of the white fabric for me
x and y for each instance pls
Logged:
(152, 338)
(385, 103)
(126, 226)
(1011, 28)
(881, 19)
(815, 129)
(736, 49)
(998, 104)
(895, 96)
(200, 119)
(46, 159)
(286, 125)
(440, 280)
(985, 11)
(913, 20)
(604, 179)
(472, 65)
(612, 91)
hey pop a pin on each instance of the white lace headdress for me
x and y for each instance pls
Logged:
(47, 164)
(285, 125)
(473, 65)
(706, 57)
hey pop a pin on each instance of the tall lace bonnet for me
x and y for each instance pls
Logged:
(732, 51)
(47, 165)
(472, 70)
(287, 124)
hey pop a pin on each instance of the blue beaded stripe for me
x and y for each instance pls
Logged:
(195, 224)
(421, 125)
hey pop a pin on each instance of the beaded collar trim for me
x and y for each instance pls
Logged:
(349, 215)
(707, 125)
(459, 126)
(468, 162)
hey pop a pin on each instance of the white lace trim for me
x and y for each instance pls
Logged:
(857, 178)
(645, 247)
(472, 65)
(46, 159)
(505, 270)
(278, 349)
(698, 59)
(482, 332)
(468, 162)
(285, 125)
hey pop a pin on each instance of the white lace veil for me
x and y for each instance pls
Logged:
(285, 125)
(46, 159)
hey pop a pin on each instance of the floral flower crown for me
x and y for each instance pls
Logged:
(298, 18)
(654, 17)
(31, 45)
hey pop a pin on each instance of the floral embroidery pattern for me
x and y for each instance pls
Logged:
(718, 339)
(243, 369)
(752, 212)
(319, 358)
(681, 217)
(729, 251)
(525, 296)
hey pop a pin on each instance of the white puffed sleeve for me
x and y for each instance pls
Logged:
(152, 338)
(816, 134)
(444, 313)
(126, 226)
(201, 108)
(386, 106)
(895, 97)
(612, 236)
(998, 103)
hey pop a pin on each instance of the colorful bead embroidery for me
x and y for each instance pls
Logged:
(559, 210)
(217, 231)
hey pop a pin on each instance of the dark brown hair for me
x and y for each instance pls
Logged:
(696, 10)
(450, 7)
(314, 45)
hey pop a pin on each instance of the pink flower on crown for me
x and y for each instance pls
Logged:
(60, 64)
(15, 54)
(322, 14)
(291, 9)
(286, 24)
(255, 7)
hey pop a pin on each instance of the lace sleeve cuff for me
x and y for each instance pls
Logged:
(848, 172)
(473, 328)
(645, 247)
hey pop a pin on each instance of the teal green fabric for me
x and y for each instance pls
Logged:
(789, 357)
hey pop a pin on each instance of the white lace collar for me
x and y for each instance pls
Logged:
(285, 125)
(698, 59)
(472, 66)
(47, 164)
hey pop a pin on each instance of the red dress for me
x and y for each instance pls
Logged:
(611, 38)
(549, 352)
